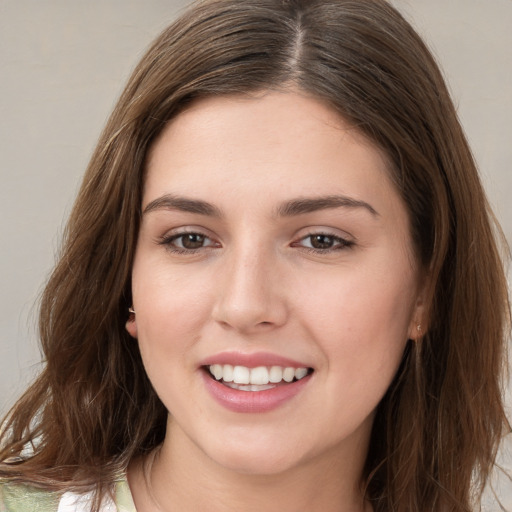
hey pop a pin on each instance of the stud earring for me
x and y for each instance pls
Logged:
(131, 311)
(420, 334)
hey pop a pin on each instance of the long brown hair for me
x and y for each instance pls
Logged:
(436, 431)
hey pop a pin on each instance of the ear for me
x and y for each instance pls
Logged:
(131, 325)
(418, 325)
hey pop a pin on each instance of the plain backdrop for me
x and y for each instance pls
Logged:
(63, 63)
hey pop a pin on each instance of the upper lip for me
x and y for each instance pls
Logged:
(252, 360)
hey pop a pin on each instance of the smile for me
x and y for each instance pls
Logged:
(255, 389)
(260, 378)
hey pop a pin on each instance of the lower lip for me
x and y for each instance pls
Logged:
(253, 401)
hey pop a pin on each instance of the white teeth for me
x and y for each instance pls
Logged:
(249, 387)
(299, 373)
(244, 378)
(241, 375)
(288, 374)
(227, 375)
(276, 374)
(259, 375)
(217, 371)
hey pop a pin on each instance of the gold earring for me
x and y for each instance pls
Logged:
(419, 336)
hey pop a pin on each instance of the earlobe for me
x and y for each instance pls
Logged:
(416, 331)
(419, 322)
(131, 324)
(131, 327)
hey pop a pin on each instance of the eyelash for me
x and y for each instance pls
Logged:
(338, 243)
(168, 242)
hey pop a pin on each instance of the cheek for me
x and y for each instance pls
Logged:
(169, 325)
(358, 302)
(361, 329)
(164, 298)
(361, 318)
(171, 312)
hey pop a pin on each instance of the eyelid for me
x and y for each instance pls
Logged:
(176, 233)
(342, 241)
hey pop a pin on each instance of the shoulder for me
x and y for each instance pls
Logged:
(16, 497)
(123, 496)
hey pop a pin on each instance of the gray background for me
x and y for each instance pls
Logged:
(63, 64)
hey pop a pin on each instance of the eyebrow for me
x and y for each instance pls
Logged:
(290, 208)
(312, 204)
(183, 204)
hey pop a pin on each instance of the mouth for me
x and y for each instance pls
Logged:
(260, 378)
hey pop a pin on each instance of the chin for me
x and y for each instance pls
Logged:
(257, 466)
(255, 459)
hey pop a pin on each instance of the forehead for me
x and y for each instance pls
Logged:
(271, 131)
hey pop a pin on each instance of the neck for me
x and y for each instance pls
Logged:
(182, 477)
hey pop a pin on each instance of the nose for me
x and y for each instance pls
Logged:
(251, 293)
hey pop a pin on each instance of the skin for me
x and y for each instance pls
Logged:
(256, 284)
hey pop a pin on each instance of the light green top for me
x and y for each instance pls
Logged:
(24, 498)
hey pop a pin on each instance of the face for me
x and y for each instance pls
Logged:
(274, 281)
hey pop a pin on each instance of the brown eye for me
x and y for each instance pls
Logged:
(321, 241)
(187, 242)
(191, 241)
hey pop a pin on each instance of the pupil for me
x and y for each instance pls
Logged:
(193, 241)
(321, 241)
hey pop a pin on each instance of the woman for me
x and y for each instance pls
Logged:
(280, 287)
